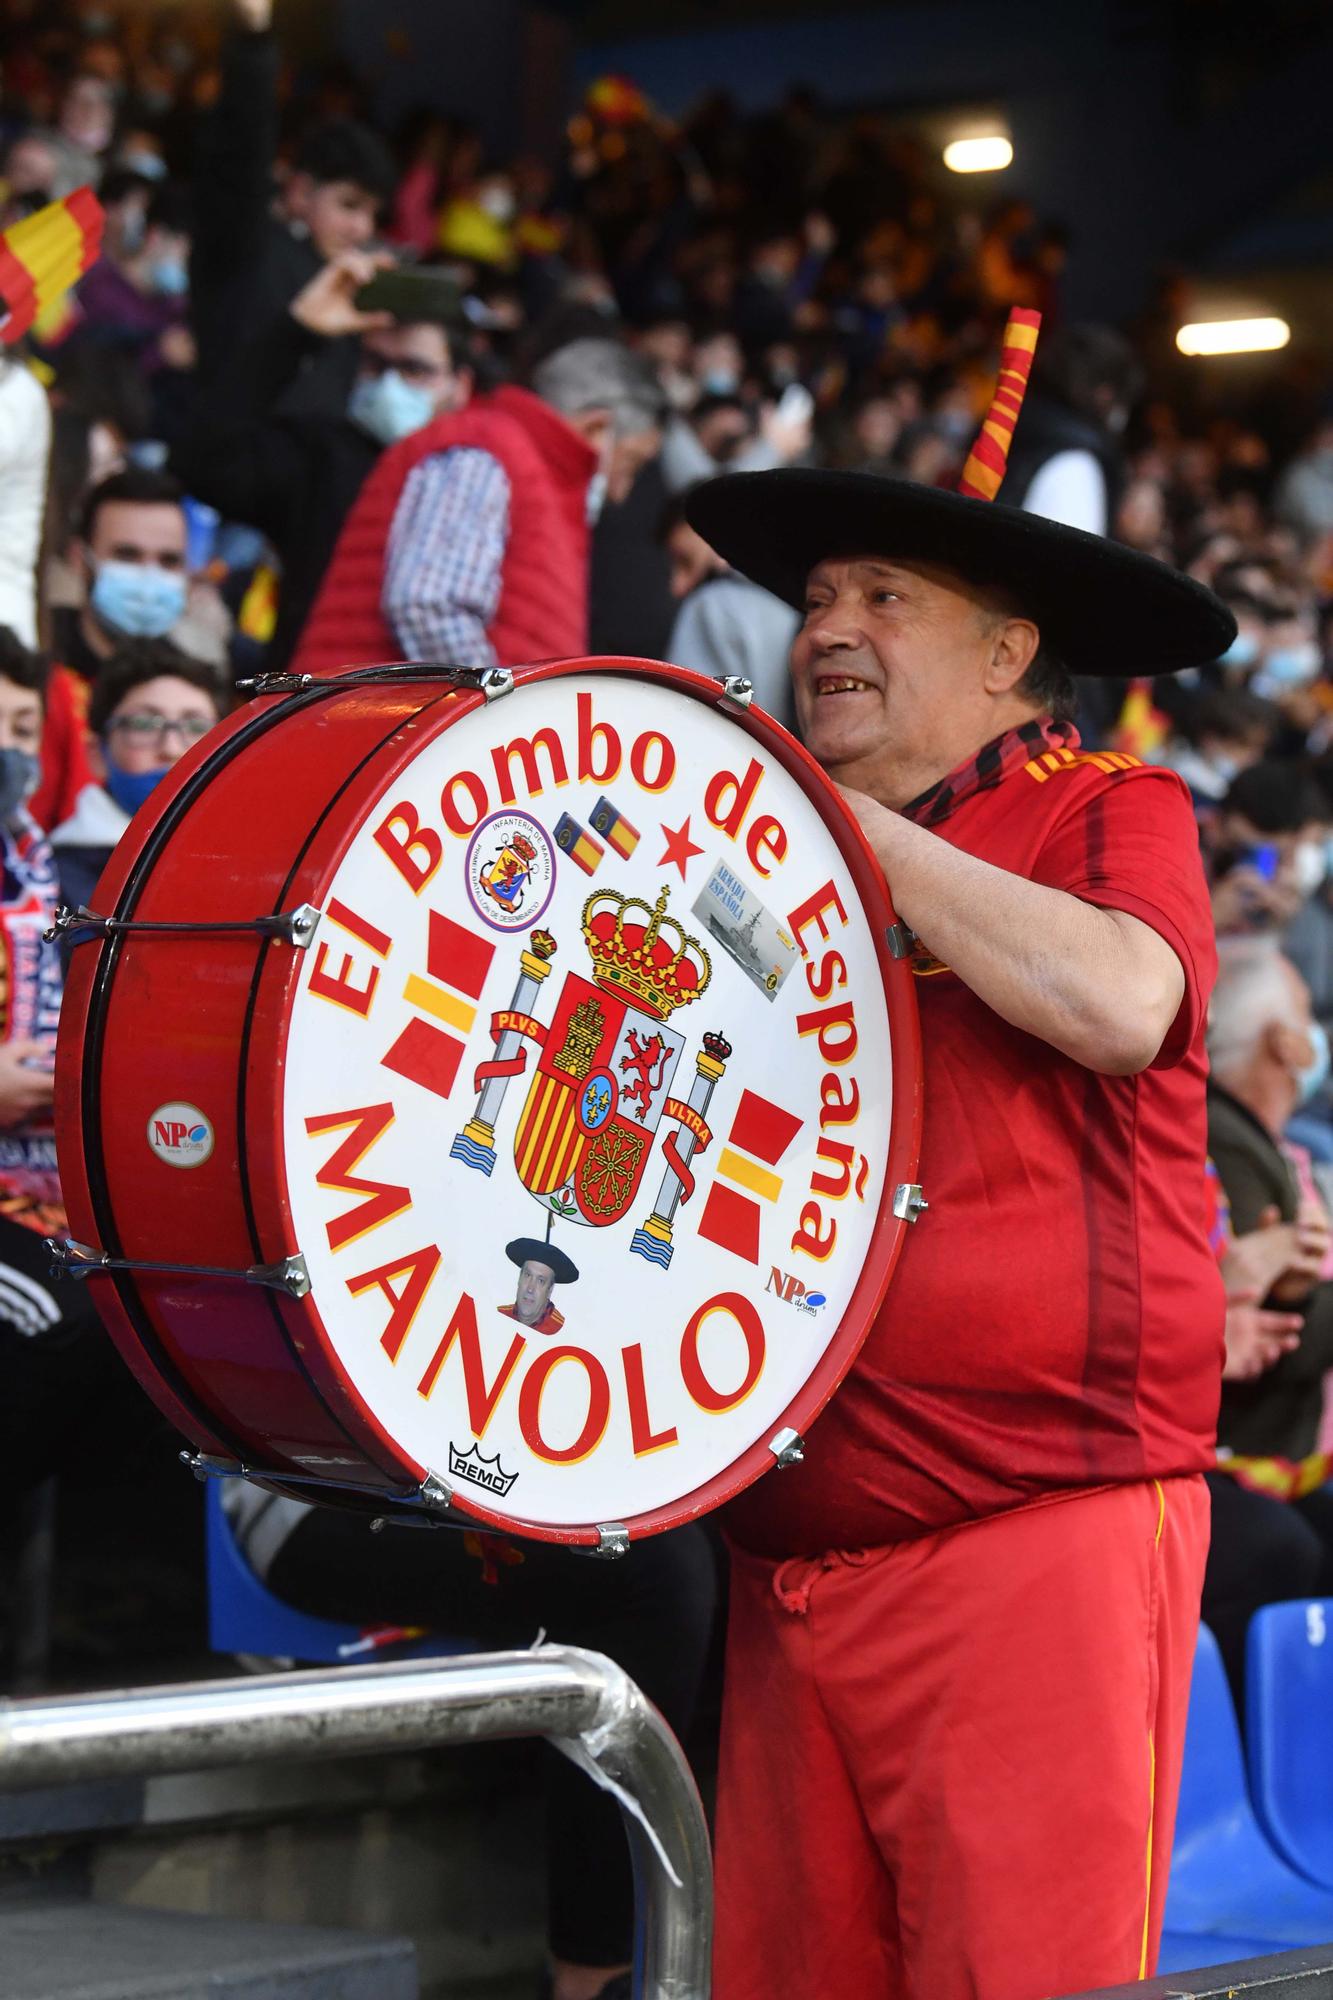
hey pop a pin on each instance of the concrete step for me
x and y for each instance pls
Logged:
(92, 1951)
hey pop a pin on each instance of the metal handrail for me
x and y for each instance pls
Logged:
(582, 1701)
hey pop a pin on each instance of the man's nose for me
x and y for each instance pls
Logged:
(835, 628)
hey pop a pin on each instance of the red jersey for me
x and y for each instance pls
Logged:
(1055, 1320)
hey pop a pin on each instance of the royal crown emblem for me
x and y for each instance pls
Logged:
(654, 964)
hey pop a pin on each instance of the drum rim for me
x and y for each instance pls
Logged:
(889, 1232)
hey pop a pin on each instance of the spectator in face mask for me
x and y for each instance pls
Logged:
(134, 296)
(130, 554)
(1219, 735)
(470, 541)
(296, 476)
(151, 704)
(720, 434)
(1267, 847)
(66, 1400)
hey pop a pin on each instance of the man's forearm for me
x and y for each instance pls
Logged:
(1097, 985)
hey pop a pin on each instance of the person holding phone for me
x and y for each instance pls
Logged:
(296, 475)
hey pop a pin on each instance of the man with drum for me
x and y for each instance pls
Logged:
(962, 1631)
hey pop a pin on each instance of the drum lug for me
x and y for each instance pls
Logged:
(80, 1260)
(612, 1540)
(289, 1275)
(737, 691)
(787, 1447)
(909, 1201)
(205, 1466)
(436, 1494)
(494, 682)
(295, 927)
(901, 941)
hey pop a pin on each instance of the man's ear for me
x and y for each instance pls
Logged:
(1013, 648)
(1281, 1042)
(96, 756)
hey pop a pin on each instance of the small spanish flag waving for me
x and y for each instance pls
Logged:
(989, 455)
(44, 255)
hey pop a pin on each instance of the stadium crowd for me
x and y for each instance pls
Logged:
(487, 384)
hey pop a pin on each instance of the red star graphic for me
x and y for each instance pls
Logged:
(679, 847)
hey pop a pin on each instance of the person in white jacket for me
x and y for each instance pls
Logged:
(25, 451)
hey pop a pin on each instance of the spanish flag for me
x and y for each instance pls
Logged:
(42, 256)
(984, 471)
(613, 826)
(582, 849)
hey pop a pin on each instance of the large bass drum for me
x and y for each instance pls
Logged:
(492, 1093)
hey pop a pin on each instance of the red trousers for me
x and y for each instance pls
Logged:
(950, 1767)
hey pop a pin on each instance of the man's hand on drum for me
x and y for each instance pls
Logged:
(27, 1084)
(327, 305)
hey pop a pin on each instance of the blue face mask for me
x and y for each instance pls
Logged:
(1314, 1076)
(20, 771)
(1242, 652)
(388, 407)
(140, 600)
(1292, 666)
(129, 789)
(168, 277)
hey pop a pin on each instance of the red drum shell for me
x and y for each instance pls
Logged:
(255, 820)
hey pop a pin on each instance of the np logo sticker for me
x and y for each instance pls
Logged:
(181, 1135)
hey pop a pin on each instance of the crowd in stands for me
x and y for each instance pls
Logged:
(334, 393)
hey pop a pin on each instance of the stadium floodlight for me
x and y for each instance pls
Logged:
(983, 154)
(1233, 336)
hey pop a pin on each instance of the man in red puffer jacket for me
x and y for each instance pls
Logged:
(469, 540)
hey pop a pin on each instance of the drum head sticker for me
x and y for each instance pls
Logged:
(586, 1130)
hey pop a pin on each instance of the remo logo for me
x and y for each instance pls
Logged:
(588, 1076)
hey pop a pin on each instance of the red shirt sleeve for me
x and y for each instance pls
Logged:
(1129, 842)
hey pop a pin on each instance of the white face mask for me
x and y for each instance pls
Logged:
(1309, 867)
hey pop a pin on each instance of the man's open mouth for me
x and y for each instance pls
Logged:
(840, 684)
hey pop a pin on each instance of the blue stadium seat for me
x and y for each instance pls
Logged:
(1183, 1952)
(1289, 1727)
(1228, 1886)
(245, 1617)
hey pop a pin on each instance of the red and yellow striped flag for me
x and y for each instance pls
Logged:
(43, 255)
(1142, 727)
(990, 453)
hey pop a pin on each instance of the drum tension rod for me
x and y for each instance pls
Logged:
(901, 941)
(737, 691)
(80, 1260)
(294, 927)
(431, 1497)
(490, 681)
